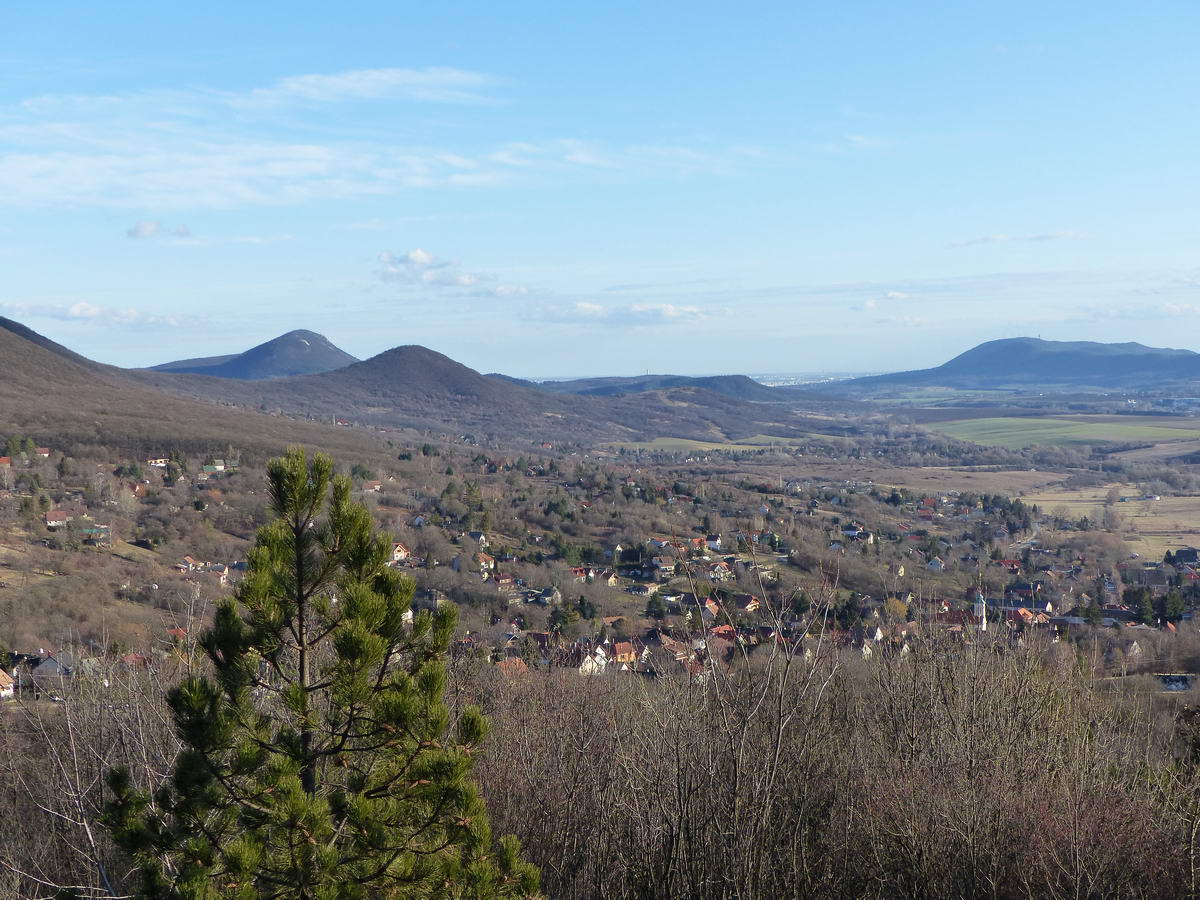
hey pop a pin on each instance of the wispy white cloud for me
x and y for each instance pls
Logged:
(663, 313)
(873, 303)
(84, 311)
(660, 285)
(164, 172)
(1140, 312)
(434, 84)
(214, 149)
(146, 229)
(418, 268)
(182, 235)
(1018, 238)
(630, 314)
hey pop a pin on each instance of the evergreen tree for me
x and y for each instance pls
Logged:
(319, 761)
(656, 608)
(1146, 613)
(1173, 607)
(561, 617)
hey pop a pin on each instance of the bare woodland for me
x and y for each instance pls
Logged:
(970, 768)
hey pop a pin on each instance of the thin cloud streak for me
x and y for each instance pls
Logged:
(146, 230)
(632, 314)
(213, 149)
(1017, 238)
(201, 174)
(437, 84)
(97, 315)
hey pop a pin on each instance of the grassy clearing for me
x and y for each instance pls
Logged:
(935, 479)
(671, 444)
(131, 553)
(1017, 432)
(17, 573)
(1153, 526)
(674, 445)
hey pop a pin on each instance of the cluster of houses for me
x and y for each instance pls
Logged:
(42, 673)
(713, 640)
(701, 558)
(218, 573)
(657, 654)
(213, 467)
(47, 673)
(1041, 588)
(7, 462)
(714, 633)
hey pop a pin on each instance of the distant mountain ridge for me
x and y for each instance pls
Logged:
(736, 387)
(295, 353)
(415, 387)
(24, 333)
(1027, 362)
(739, 386)
(55, 394)
(405, 387)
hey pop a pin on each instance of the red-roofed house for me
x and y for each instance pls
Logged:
(728, 632)
(188, 564)
(624, 653)
(56, 518)
(747, 603)
(513, 667)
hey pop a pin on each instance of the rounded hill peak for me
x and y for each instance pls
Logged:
(299, 352)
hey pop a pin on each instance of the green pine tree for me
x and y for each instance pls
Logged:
(319, 761)
(1146, 612)
(1174, 606)
(656, 607)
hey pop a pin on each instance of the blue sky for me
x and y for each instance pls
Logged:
(569, 189)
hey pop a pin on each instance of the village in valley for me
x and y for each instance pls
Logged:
(643, 564)
(586, 451)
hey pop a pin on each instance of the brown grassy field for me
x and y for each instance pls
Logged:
(1159, 453)
(1153, 526)
(935, 478)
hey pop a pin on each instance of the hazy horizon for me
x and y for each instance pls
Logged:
(599, 190)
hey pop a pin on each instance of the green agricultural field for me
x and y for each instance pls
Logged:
(1070, 431)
